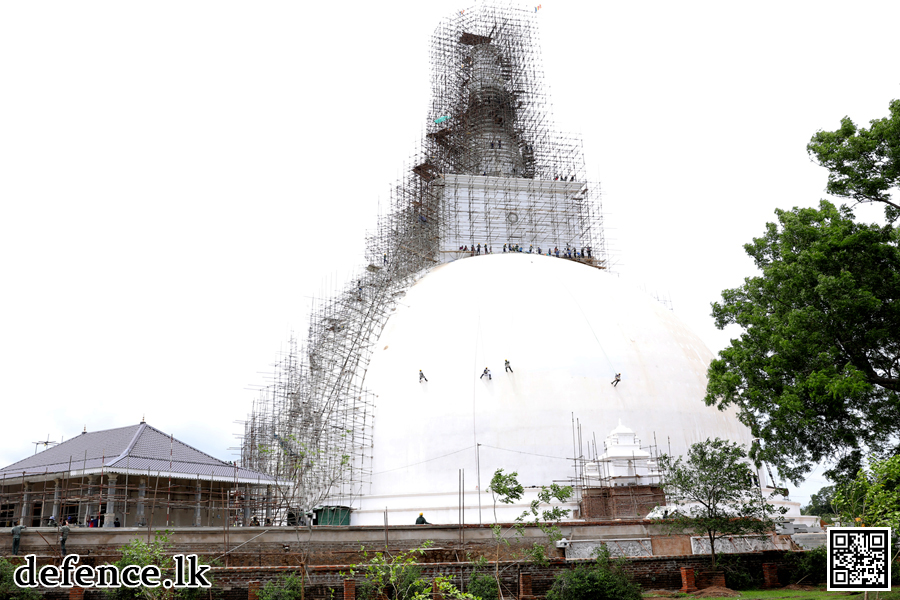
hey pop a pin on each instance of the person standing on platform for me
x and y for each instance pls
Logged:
(17, 534)
(63, 536)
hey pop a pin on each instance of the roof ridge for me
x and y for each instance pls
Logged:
(127, 450)
(52, 450)
(219, 460)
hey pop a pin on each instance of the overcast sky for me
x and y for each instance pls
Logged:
(178, 179)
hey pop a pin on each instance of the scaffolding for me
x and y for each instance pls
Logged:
(610, 484)
(491, 175)
(142, 498)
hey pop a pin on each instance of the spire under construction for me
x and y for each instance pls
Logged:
(491, 175)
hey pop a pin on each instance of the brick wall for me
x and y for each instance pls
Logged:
(633, 501)
(330, 550)
(328, 581)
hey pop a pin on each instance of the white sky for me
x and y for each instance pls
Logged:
(177, 179)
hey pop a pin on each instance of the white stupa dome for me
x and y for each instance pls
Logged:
(566, 329)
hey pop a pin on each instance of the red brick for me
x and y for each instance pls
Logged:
(770, 575)
(349, 589)
(687, 580)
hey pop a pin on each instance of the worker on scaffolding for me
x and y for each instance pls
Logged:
(530, 248)
(422, 376)
(478, 250)
(504, 248)
(486, 372)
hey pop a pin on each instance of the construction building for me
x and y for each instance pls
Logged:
(485, 330)
(134, 476)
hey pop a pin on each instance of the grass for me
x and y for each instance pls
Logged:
(813, 595)
(820, 594)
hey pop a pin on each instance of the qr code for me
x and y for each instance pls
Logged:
(858, 559)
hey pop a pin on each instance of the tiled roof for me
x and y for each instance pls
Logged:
(137, 448)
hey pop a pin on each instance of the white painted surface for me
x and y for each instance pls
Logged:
(566, 329)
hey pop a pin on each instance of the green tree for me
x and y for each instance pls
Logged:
(873, 499)
(820, 504)
(863, 164)
(816, 372)
(505, 488)
(713, 493)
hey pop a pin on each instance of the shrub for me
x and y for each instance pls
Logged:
(140, 553)
(398, 577)
(484, 586)
(8, 587)
(288, 587)
(738, 576)
(401, 584)
(604, 579)
(808, 567)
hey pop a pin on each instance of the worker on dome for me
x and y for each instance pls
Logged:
(421, 520)
(486, 372)
(508, 368)
(615, 382)
(422, 376)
